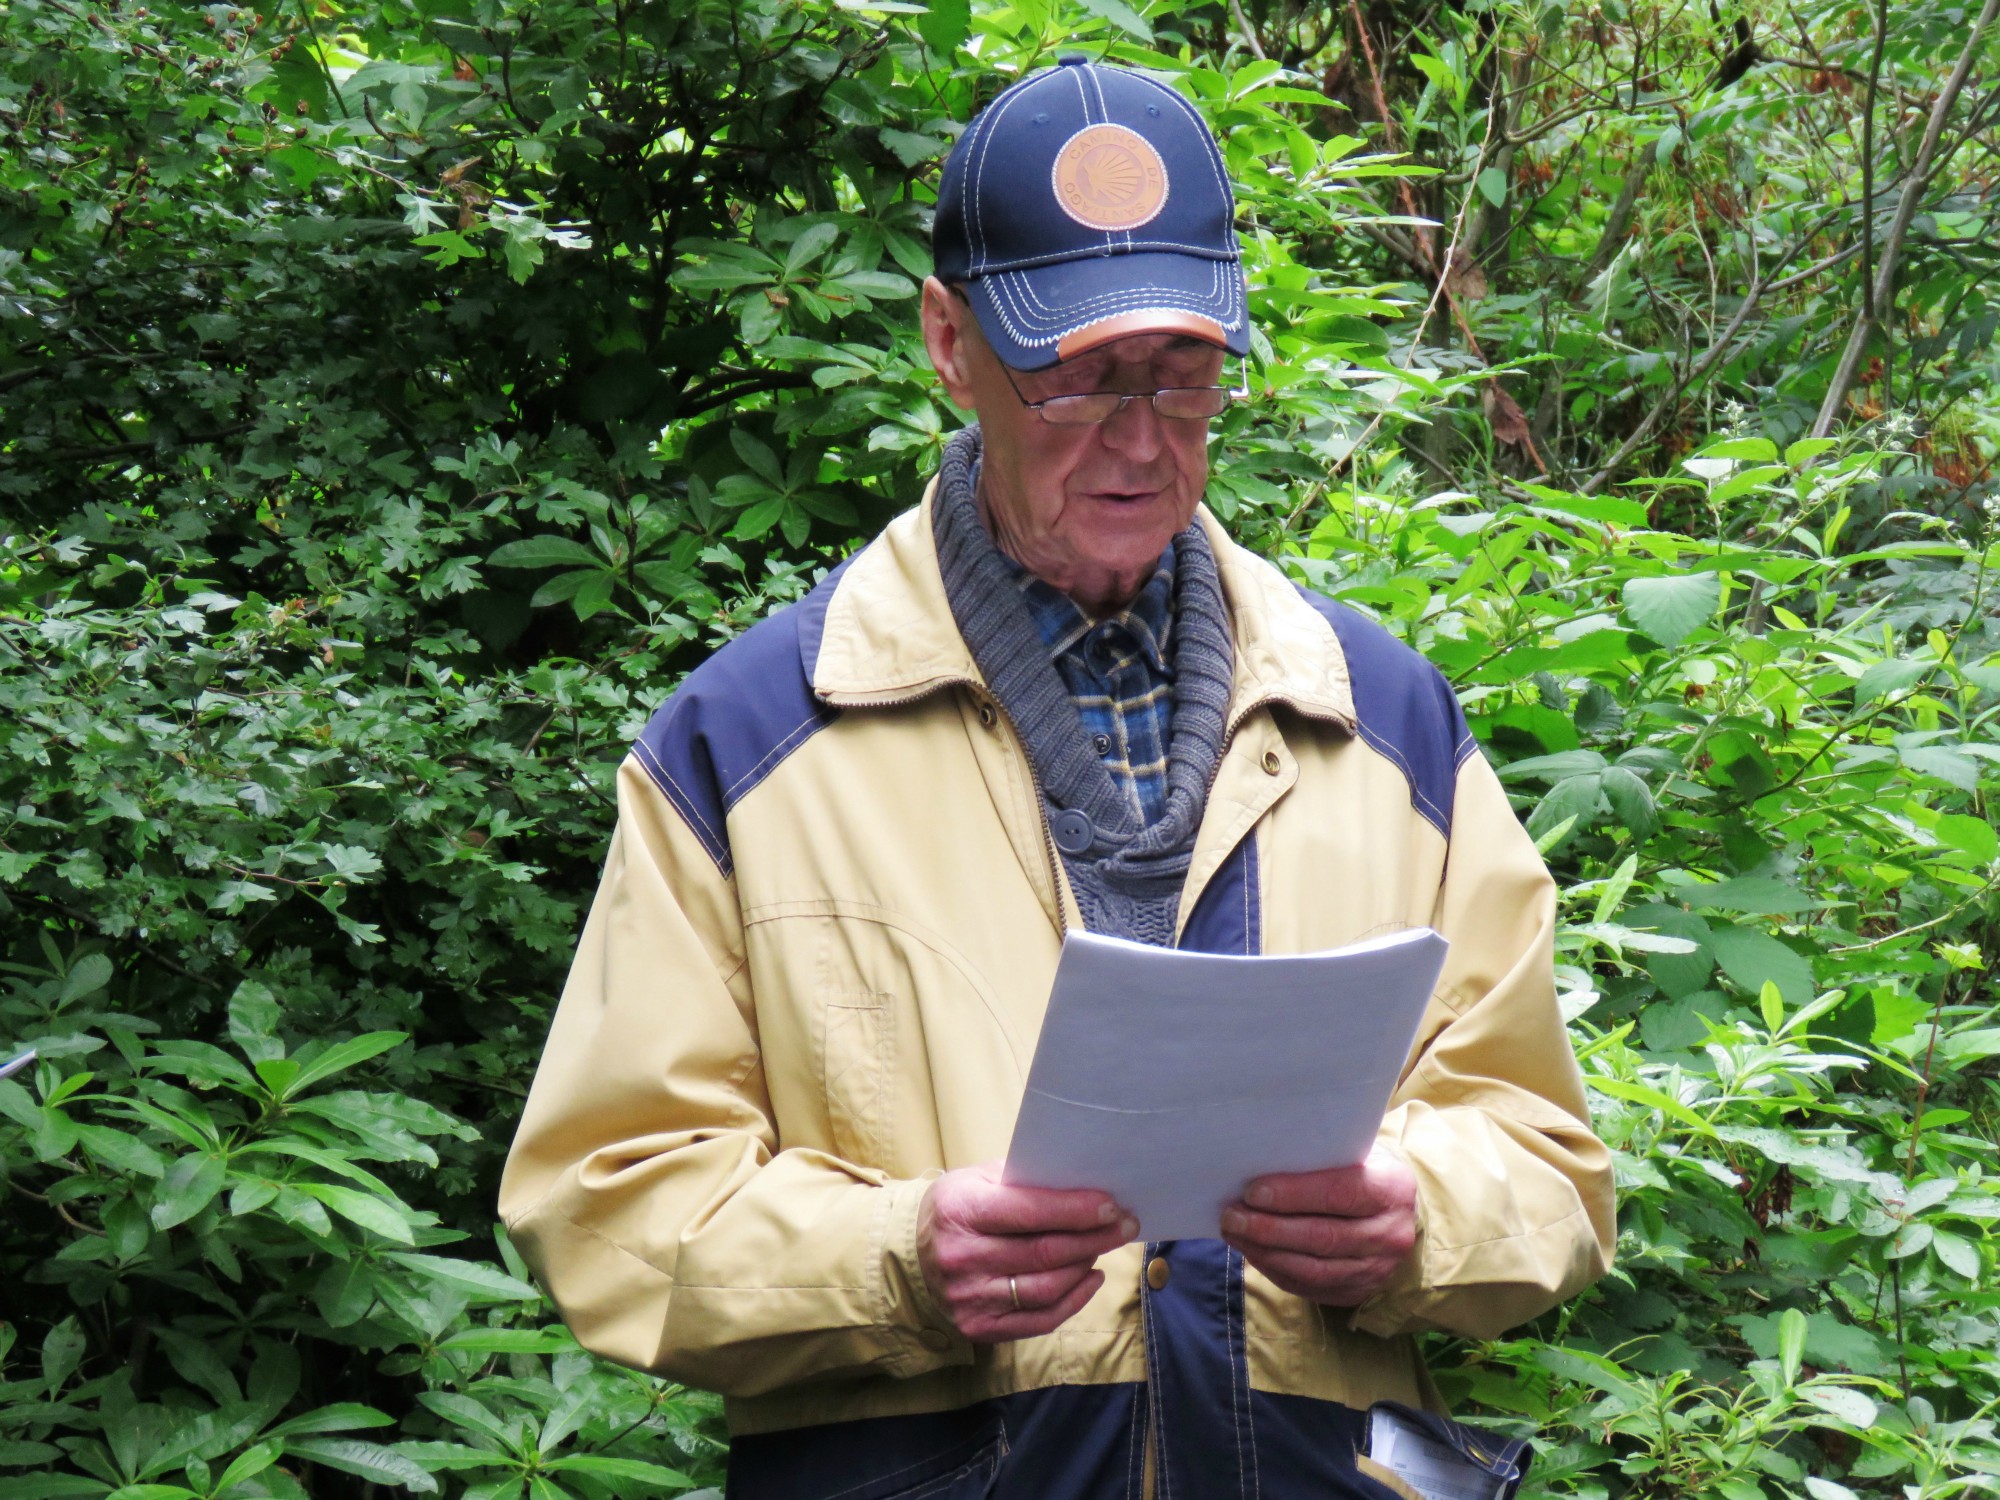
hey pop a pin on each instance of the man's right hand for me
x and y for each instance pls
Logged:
(984, 1244)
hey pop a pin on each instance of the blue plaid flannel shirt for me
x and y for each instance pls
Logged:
(1119, 670)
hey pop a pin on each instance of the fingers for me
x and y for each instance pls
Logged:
(983, 1203)
(1323, 1236)
(1335, 1237)
(961, 1253)
(975, 1232)
(984, 1322)
(1335, 1283)
(1381, 1182)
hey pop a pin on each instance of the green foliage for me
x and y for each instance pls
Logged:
(396, 400)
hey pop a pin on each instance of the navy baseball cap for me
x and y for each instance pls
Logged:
(1084, 204)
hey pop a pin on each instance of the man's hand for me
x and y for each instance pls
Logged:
(975, 1232)
(1334, 1237)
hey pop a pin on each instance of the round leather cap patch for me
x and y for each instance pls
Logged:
(1109, 177)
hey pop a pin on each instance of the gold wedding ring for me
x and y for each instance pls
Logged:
(1014, 1292)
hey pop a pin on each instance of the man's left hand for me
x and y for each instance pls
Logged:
(1335, 1236)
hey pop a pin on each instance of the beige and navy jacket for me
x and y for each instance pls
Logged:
(813, 977)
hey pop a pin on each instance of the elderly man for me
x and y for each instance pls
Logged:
(760, 1155)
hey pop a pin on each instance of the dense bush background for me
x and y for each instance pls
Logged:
(398, 396)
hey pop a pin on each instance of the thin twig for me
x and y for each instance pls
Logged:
(1876, 301)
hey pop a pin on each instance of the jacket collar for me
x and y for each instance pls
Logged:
(888, 634)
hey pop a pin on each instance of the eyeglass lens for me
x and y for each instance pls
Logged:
(1185, 402)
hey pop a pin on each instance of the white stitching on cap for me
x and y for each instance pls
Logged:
(1000, 108)
(1037, 314)
(1099, 307)
(1200, 252)
(1212, 153)
(1028, 325)
(1217, 288)
(1083, 100)
(1038, 337)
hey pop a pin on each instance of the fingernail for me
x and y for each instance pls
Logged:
(1106, 1212)
(1129, 1227)
(1233, 1221)
(1258, 1196)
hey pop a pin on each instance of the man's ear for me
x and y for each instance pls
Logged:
(947, 339)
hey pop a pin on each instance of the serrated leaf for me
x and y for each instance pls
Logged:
(1671, 609)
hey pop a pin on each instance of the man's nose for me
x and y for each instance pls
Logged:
(1135, 430)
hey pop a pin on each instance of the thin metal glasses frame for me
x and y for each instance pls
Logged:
(1061, 411)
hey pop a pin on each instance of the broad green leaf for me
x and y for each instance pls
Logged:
(1753, 958)
(1791, 1342)
(342, 1416)
(1121, 15)
(369, 1461)
(1843, 1402)
(1671, 609)
(545, 552)
(945, 25)
(470, 1414)
(1771, 1005)
(1959, 1254)
(618, 1468)
(483, 1281)
(373, 1214)
(1887, 677)
(188, 1187)
(116, 1148)
(1758, 896)
(342, 1056)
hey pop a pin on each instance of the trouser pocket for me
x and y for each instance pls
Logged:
(939, 1457)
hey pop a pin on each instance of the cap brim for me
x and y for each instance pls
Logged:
(1037, 317)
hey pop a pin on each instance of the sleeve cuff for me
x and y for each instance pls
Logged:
(922, 1337)
(1392, 1309)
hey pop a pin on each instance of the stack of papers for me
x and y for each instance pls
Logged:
(1169, 1079)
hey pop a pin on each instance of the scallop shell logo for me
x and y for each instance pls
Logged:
(1108, 177)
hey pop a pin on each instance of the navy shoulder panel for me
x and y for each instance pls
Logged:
(736, 717)
(1407, 710)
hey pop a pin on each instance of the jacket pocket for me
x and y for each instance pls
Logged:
(1492, 1466)
(857, 1048)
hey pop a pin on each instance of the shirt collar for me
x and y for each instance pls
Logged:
(1148, 619)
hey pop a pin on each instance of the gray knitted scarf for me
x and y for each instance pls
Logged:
(1128, 882)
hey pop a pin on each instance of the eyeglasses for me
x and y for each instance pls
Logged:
(1184, 403)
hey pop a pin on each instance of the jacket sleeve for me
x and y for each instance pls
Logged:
(646, 1185)
(1514, 1193)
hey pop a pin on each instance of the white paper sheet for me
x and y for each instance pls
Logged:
(1169, 1079)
